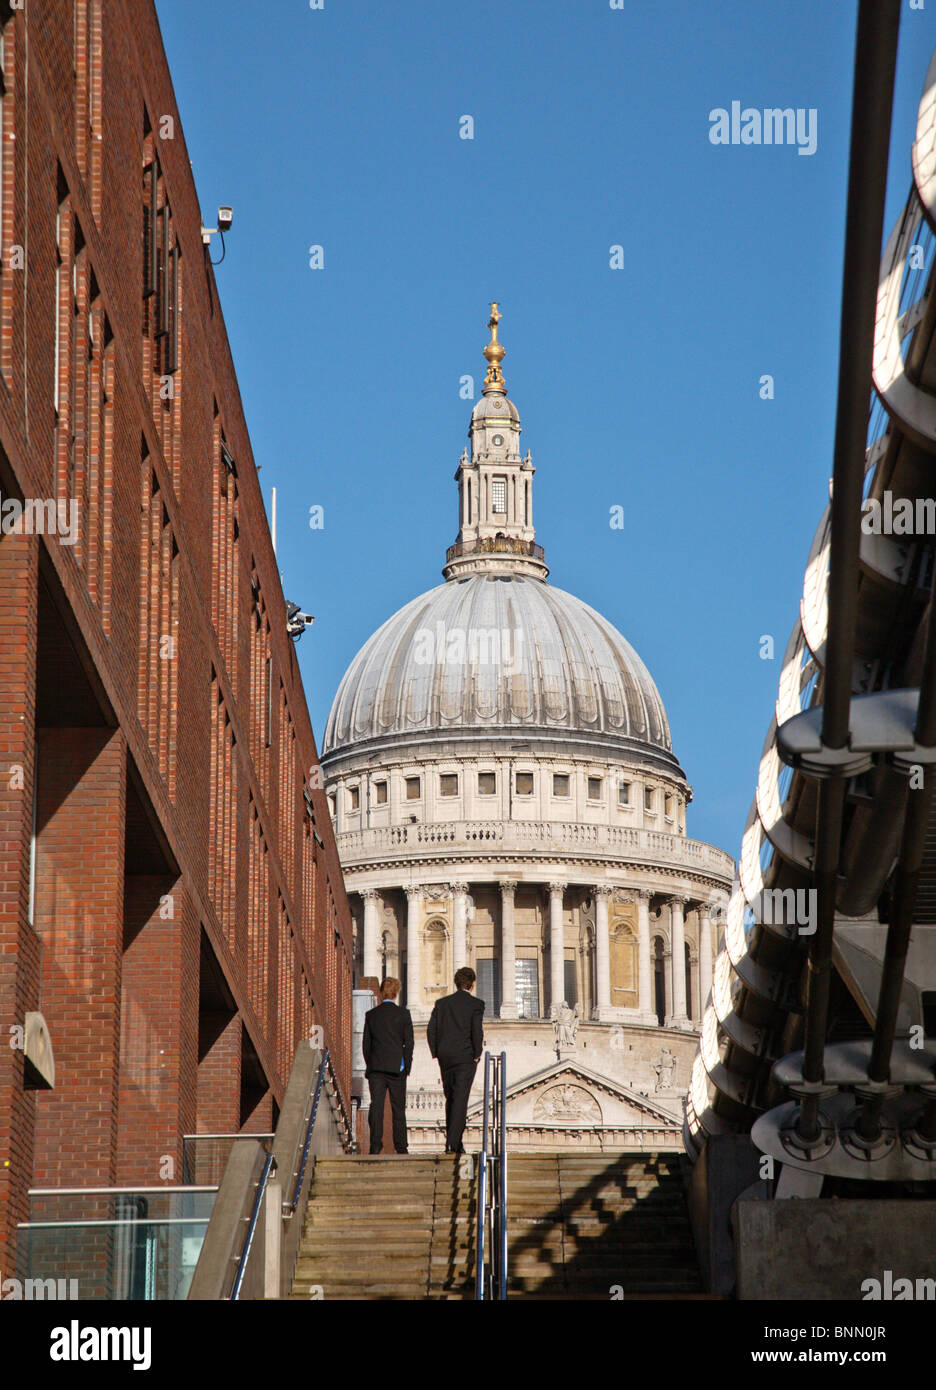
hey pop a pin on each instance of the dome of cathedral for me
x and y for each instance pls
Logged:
(497, 652)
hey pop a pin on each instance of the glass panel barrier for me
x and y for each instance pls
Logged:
(114, 1243)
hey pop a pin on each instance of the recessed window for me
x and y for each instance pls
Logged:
(413, 788)
(523, 783)
(380, 793)
(448, 784)
(668, 807)
(594, 788)
(487, 783)
(648, 798)
(498, 494)
(354, 798)
(560, 784)
(331, 806)
(623, 793)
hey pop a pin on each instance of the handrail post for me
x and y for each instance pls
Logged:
(502, 1262)
(491, 1270)
(482, 1182)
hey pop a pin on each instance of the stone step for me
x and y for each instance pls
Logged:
(389, 1203)
(404, 1269)
(391, 1256)
(576, 1288)
(606, 1193)
(352, 1291)
(381, 1160)
(368, 1187)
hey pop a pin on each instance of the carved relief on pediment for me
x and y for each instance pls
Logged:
(567, 1103)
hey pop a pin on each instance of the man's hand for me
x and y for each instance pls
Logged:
(477, 1060)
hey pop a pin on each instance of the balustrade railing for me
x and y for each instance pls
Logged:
(546, 836)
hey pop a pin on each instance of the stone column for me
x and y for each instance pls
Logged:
(679, 1017)
(508, 956)
(644, 959)
(459, 925)
(371, 932)
(705, 955)
(602, 951)
(556, 944)
(414, 902)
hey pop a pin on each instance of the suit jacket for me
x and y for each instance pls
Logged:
(388, 1038)
(454, 1033)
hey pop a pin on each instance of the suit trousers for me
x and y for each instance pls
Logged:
(380, 1083)
(456, 1083)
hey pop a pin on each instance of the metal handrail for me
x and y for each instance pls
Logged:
(252, 1227)
(309, 1128)
(491, 1269)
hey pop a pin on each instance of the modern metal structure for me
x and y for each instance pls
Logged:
(819, 1039)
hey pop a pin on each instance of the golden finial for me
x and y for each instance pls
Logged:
(495, 353)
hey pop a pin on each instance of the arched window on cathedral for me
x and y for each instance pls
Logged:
(435, 958)
(659, 979)
(689, 1009)
(589, 980)
(623, 967)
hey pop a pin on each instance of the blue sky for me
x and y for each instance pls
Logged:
(638, 387)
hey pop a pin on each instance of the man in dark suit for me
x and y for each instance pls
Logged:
(455, 1040)
(388, 1058)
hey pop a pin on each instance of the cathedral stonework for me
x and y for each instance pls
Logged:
(505, 795)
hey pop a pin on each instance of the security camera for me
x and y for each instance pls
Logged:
(297, 621)
(225, 219)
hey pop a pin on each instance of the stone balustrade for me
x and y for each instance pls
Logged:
(424, 1100)
(543, 838)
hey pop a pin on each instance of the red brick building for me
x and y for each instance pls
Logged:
(170, 894)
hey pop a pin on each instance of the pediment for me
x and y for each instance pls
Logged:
(569, 1094)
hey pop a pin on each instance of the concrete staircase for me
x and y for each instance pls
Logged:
(388, 1227)
(598, 1227)
(405, 1228)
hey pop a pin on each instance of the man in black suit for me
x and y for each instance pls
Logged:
(388, 1058)
(455, 1040)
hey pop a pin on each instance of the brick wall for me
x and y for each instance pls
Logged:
(148, 662)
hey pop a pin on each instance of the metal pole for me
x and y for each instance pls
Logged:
(503, 1176)
(872, 99)
(482, 1181)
